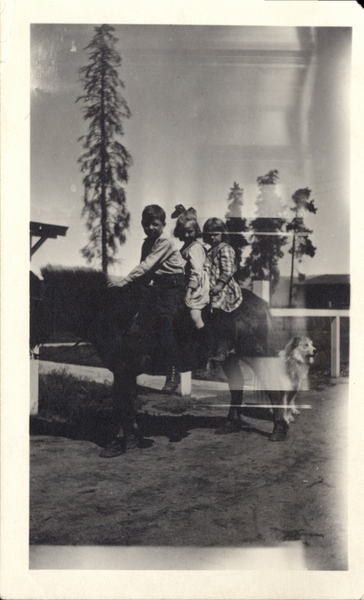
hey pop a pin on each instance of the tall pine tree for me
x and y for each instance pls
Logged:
(266, 250)
(235, 223)
(105, 161)
(301, 244)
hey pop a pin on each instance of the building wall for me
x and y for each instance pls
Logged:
(280, 297)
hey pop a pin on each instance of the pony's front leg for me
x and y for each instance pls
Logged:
(280, 423)
(232, 370)
(267, 370)
(124, 396)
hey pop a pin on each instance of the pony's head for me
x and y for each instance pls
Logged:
(38, 331)
(77, 300)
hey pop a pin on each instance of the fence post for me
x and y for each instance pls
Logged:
(34, 381)
(335, 346)
(261, 289)
(186, 383)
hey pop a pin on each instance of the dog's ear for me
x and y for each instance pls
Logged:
(293, 343)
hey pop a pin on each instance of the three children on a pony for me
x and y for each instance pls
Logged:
(200, 273)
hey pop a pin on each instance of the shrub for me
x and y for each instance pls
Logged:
(62, 395)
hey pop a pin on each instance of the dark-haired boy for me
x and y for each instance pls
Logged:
(161, 267)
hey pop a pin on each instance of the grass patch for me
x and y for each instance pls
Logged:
(64, 396)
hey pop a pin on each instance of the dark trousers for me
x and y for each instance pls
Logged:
(223, 329)
(158, 310)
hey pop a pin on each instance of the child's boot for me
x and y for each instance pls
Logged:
(172, 381)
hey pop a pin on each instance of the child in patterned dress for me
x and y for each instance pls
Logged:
(226, 295)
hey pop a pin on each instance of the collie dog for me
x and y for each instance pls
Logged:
(296, 357)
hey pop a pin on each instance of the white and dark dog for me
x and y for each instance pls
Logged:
(296, 359)
(286, 373)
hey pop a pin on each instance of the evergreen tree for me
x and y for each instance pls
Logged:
(235, 223)
(105, 161)
(268, 202)
(266, 250)
(301, 245)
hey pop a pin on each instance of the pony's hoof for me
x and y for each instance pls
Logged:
(177, 436)
(228, 427)
(133, 443)
(145, 443)
(116, 448)
(279, 432)
(170, 388)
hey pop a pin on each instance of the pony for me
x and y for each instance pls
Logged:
(79, 301)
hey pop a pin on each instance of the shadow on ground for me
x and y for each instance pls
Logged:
(99, 427)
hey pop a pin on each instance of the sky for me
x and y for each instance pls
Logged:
(211, 105)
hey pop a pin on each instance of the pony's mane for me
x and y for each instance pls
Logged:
(74, 298)
(75, 277)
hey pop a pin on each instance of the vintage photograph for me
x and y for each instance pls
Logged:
(189, 297)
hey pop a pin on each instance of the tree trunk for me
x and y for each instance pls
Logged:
(104, 260)
(292, 269)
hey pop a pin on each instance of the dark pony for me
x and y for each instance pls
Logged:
(79, 301)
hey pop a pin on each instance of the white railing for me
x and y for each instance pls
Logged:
(186, 383)
(334, 314)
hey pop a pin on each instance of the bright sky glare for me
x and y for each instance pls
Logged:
(210, 106)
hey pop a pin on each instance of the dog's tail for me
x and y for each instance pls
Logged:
(271, 338)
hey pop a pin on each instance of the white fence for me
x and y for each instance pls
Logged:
(333, 314)
(186, 383)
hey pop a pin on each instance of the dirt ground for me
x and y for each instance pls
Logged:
(193, 488)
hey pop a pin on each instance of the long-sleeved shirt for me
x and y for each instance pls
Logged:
(196, 275)
(195, 268)
(222, 266)
(159, 257)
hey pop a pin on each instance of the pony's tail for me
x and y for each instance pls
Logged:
(271, 338)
